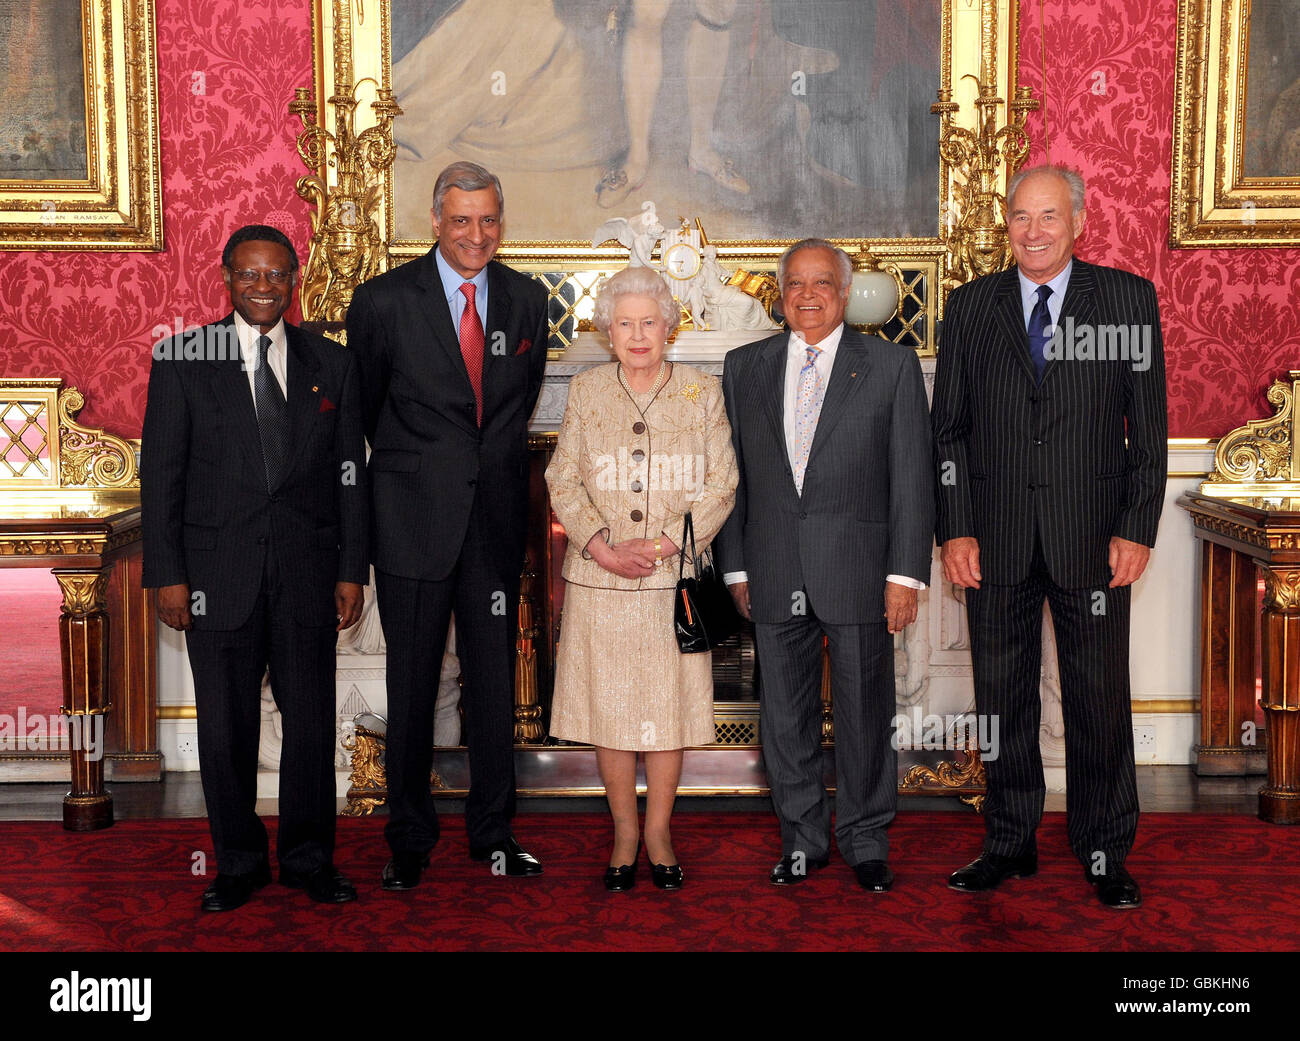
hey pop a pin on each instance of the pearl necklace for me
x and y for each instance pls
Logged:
(654, 389)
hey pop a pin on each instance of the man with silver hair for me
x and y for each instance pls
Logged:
(1049, 447)
(829, 538)
(451, 349)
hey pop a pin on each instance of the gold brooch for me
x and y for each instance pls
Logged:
(691, 391)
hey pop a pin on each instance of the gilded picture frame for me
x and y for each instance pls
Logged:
(106, 195)
(976, 39)
(1236, 148)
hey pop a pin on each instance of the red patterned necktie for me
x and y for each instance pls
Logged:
(471, 345)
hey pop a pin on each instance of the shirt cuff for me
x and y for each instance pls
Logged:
(735, 577)
(904, 580)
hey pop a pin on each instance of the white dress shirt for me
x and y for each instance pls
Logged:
(277, 355)
(796, 353)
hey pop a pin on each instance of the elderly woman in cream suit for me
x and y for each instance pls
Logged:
(643, 441)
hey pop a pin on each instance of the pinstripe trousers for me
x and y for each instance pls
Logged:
(1092, 642)
(790, 721)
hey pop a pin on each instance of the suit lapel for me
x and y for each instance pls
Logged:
(769, 384)
(301, 375)
(437, 316)
(234, 394)
(1079, 305)
(851, 370)
(498, 315)
(1010, 314)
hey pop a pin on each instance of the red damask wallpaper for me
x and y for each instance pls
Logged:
(227, 71)
(1231, 318)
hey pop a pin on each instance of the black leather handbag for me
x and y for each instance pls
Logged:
(704, 615)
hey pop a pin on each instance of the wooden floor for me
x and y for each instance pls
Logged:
(1161, 789)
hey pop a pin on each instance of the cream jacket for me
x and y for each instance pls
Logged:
(632, 477)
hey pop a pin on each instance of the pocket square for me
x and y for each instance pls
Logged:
(524, 347)
(326, 405)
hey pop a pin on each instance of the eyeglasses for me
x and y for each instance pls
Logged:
(247, 278)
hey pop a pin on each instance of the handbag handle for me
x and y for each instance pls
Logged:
(688, 534)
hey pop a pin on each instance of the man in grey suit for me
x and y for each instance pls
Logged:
(830, 537)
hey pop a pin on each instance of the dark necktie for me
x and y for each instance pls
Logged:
(1040, 320)
(272, 415)
(471, 345)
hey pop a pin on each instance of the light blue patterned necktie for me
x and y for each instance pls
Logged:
(808, 406)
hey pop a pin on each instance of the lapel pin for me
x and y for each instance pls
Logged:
(315, 390)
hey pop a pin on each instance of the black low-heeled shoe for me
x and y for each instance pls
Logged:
(621, 879)
(666, 876)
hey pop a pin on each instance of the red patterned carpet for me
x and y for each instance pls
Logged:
(1209, 883)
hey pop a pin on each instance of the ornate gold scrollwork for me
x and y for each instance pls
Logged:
(89, 457)
(84, 592)
(368, 782)
(1282, 590)
(976, 232)
(966, 771)
(1258, 458)
(346, 245)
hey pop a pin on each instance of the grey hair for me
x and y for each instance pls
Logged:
(468, 177)
(1072, 178)
(635, 281)
(842, 261)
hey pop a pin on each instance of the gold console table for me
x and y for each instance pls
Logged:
(1247, 514)
(70, 502)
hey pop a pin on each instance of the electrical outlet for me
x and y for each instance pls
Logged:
(1144, 744)
(187, 743)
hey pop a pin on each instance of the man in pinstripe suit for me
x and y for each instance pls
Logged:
(1049, 440)
(830, 536)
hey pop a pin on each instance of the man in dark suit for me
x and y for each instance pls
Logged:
(452, 348)
(1050, 449)
(830, 536)
(255, 535)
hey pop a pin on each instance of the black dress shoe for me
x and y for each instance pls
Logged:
(508, 858)
(1116, 888)
(622, 878)
(403, 871)
(324, 885)
(989, 869)
(230, 891)
(791, 869)
(666, 876)
(874, 875)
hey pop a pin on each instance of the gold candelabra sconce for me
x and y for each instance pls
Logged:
(346, 247)
(973, 221)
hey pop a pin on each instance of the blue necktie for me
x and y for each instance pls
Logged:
(1040, 321)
